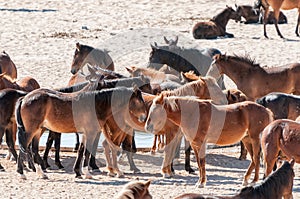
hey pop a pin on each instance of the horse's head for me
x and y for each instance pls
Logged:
(81, 53)
(233, 14)
(133, 71)
(157, 115)
(158, 56)
(136, 190)
(215, 69)
(137, 105)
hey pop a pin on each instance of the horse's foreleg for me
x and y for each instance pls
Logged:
(129, 149)
(89, 141)
(249, 147)
(115, 163)
(276, 16)
(153, 149)
(187, 150)
(20, 167)
(77, 143)
(243, 155)
(200, 157)
(76, 167)
(109, 165)
(49, 143)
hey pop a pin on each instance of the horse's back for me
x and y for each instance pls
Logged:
(7, 66)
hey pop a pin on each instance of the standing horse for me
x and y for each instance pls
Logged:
(203, 122)
(277, 186)
(88, 55)
(7, 66)
(284, 135)
(63, 112)
(255, 81)
(216, 27)
(135, 190)
(277, 5)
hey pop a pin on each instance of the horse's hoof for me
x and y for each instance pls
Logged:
(120, 175)
(78, 176)
(23, 177)
(245, 183)
(44, 177)
(190, 170)
(136, 170)
(166, 175)
(110, 174)
(87, 176)
(200, 185)
(96, 170)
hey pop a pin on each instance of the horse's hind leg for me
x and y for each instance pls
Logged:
(92, 163)
(77, 163)
(11, 142)
(109, 165)
(248, 145)
(49, 143)
(37, 158)
(127, 146)
(77, 143)
(187, 150)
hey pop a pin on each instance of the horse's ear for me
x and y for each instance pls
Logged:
(160, 98)
(153, 47)
(155, 44)
(135, 89)
(130, 69)
(2, 74)
(78, 46)
(292, 162)
(176, 40)
(167, 41)
(217, 56)
(147, 184)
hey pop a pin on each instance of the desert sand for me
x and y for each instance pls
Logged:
(40, 37)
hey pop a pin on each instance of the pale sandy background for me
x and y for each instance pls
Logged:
(40, 37)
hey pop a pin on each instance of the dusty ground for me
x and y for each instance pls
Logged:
(40, 37)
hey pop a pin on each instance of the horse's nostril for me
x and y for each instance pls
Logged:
(73, 71)
(149, 128)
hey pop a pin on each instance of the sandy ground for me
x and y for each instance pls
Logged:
(40, 37)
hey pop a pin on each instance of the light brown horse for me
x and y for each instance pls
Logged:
(203, 122)
(255, 81)
(284, 135)
(88, 55)
(72, 112)
(215, 27)
(277, 5)
(25, 84)
(135, 190)
(7, 66)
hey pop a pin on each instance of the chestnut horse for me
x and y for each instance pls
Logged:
(277, 5)
(255, 81)
(7, 66)
(85, 54)
(135, 190)
(63, 112)
(284, 135)
(219, 124)
(277, 186)
(216, 27)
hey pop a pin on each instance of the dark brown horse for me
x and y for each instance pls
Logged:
(63, 112)
(216, 27)
(7, 66)
(277, 186)
(254, 80)
(135, 190)
(253, 15)
(277, 5)
(222, 125)
(88, 55)
(281, 135)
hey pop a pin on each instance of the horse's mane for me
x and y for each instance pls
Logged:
(272, 185)
(132, 188)
(246, 58)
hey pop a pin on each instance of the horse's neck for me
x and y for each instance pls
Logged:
(221, 19)
(151, 73)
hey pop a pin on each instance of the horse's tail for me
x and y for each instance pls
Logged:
(20, 125)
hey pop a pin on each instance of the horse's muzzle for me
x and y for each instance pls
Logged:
(142, 118)
(73, 71)
(149, 128)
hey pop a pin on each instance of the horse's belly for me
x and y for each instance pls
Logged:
(227, 137)
(289, 4)
(60, 127)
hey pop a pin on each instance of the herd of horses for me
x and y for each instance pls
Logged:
(259, 13)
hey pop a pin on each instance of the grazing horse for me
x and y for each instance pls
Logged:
(88, 55)
(255, 81)
(277, 186)
(216, 27)
(202, 122)
(253, 15)
(7, 66)
(183, 59)
(25, 84)
(72, 112)
(281, 134)
(135, 190)
(277, 5)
